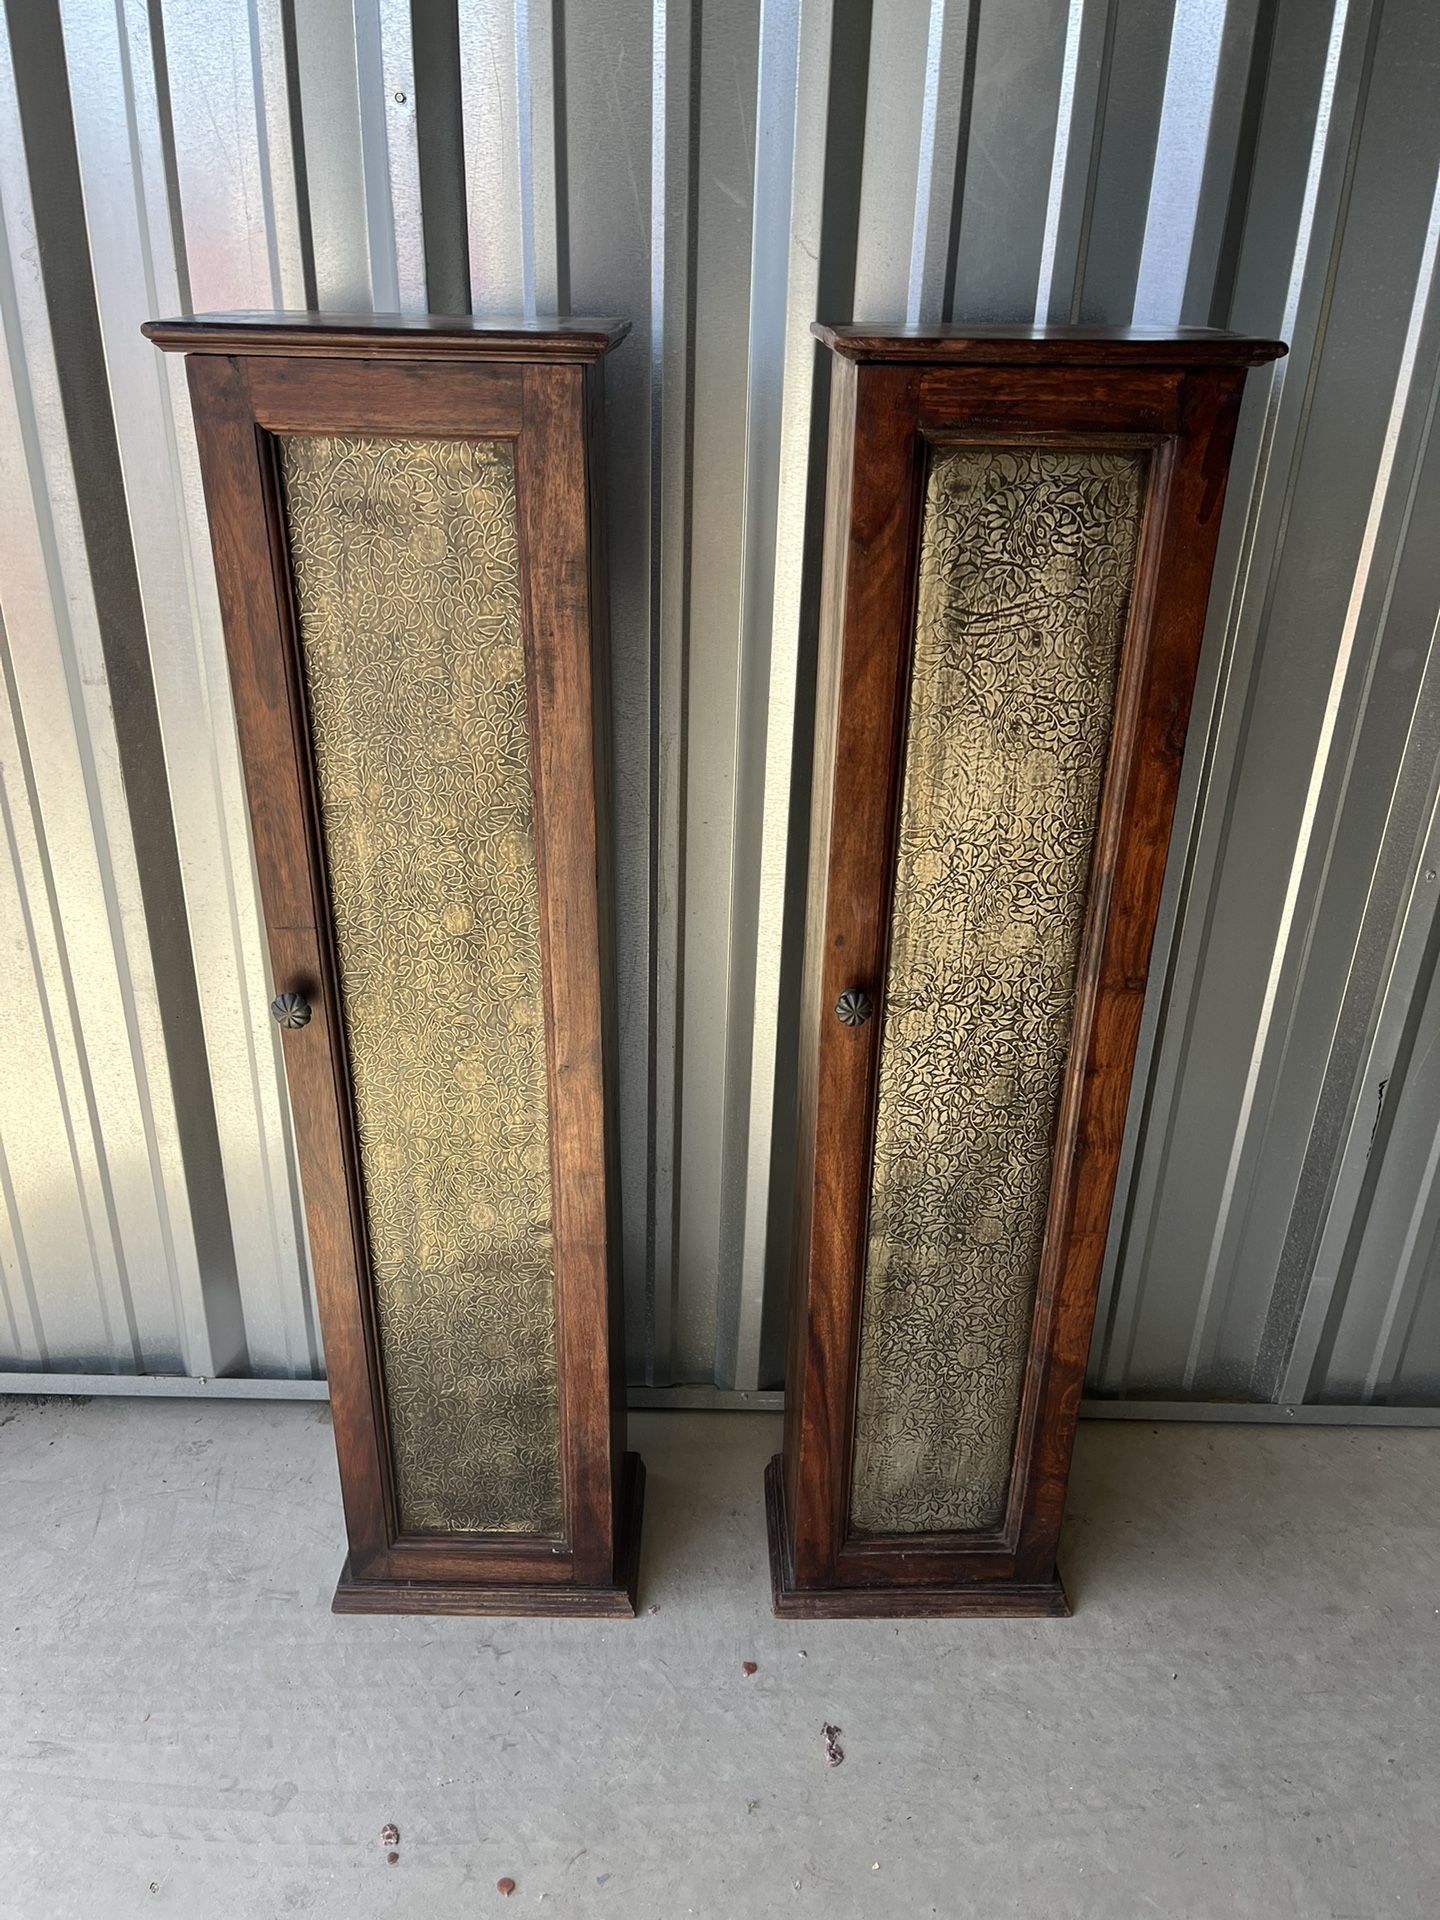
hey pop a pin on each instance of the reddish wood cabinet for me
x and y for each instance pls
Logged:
(408, 542)
(1021, 526)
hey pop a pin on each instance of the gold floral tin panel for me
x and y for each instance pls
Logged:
(407, 578)
(1027, 561)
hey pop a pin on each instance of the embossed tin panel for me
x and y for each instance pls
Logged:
(1027, 559)
(406, 570)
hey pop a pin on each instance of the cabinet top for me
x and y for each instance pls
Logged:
(418, 336)
(1055, 346)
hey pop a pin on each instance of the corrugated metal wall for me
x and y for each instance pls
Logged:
(721, 175)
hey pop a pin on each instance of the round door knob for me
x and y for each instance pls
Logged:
(290, 1010)
(853, 1008)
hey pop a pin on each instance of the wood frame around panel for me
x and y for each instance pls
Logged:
(549, 406)
(890, 397)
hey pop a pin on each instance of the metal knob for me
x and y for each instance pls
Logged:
(290, 1010)
(853, 1008)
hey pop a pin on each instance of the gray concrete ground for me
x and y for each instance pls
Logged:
(1239, 1721)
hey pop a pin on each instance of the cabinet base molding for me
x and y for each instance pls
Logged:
(1004, 1600)
(617, 1602)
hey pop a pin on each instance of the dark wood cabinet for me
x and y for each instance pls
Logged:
(1020, 532)
(408, 541)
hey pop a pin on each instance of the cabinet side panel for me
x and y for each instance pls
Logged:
(838, 491)
(404, 556)
(1027, 564)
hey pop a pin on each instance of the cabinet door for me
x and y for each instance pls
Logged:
(404, 554)
(1017, 562)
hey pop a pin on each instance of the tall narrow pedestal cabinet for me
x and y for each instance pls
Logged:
(408, 542)
(1020, 532)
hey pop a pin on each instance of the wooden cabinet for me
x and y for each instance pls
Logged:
(1020, 532)
(407, 532)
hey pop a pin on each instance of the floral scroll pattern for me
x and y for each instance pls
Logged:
(1027, 560)
(407, 577)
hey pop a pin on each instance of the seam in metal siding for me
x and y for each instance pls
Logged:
(721, 176)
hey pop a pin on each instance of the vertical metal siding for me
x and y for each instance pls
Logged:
(1304, 848)
(93, 1179)
(720, 176)
(133, 149)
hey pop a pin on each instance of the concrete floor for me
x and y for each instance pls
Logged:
(1240, 1720)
